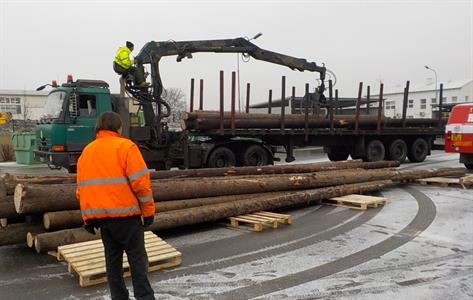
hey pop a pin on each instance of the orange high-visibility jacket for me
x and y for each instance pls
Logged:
(112, 179)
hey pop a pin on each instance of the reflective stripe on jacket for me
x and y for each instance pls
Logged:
(112, 179)
(122, 57)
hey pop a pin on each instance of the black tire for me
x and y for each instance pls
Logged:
(398, 150)
(255, 155)
(221, 157)
(469, 166)
(338, 156)
(418, 150)
(72, 169)
(375, 151)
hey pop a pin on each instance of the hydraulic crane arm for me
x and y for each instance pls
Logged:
(152, 53)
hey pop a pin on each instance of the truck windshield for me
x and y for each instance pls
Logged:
(53, 107)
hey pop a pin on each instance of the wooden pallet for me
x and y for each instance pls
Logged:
(356, 201)
(88, 259)
(441, 181)
(256, 221)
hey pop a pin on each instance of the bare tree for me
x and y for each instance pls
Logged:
(175, 98)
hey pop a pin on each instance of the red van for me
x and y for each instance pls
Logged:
(459, 133)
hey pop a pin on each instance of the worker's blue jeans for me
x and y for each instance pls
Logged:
(125, 234)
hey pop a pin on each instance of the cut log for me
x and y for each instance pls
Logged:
(208, 187)
(62, 220)
(40, 198)
(10, 181)
(166, 220)
(7, 208)
(206, 120)
(48, 241)
(16, 233)
(30, 237)
(278, 169)
(58, 220)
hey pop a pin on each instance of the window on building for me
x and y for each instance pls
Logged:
(87, 105)
(13, 109)
(454, 99)
(411, 103)
(423, 103)
(466, 98)
(444, 99)
(433, 100)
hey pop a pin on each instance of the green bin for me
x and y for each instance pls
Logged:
(24, 143)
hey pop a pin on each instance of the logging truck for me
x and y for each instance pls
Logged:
(221, 139)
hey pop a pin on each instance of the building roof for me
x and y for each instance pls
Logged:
(23, 92)
(413, 88)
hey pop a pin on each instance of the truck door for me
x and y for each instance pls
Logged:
(81, 131)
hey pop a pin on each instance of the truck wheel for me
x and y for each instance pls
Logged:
(418, 150)
(255, 155)
(469, 166)
(398, 150)
(375, 151)
(221, 157)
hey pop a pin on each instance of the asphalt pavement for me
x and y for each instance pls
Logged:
(419, 246)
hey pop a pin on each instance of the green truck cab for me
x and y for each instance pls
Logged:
(68, 122)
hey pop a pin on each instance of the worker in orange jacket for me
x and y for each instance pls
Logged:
(114, 191)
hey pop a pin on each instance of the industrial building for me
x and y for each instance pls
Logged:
(23, 104)
(423, 99)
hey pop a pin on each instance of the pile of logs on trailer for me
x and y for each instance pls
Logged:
(43, 210)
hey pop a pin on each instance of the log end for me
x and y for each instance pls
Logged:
(30, 240)
(20, 192)
(46, 221)
(37, 244)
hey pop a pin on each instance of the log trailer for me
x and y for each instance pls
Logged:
(67, 125)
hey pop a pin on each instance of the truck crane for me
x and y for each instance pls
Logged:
(68, 123)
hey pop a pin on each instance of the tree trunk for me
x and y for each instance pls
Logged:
(48, 241)
(30, 237)
(166, 220)
(10, 181)
(277, 169)
(41, 198)
(58, 220)
(16, 233)
(7, 208)
(38, 198)
(62, 220)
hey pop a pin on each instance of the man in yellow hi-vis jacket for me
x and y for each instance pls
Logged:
(123, 64)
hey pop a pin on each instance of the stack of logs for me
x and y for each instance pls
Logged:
(208, 120)
(186, 197)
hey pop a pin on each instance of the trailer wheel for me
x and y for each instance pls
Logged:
(255, 155)
(398, 150)
(418, 150)
(337, 155)
(221, 157)
(375, 151)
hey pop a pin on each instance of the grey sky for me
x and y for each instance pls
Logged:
(359, 40)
